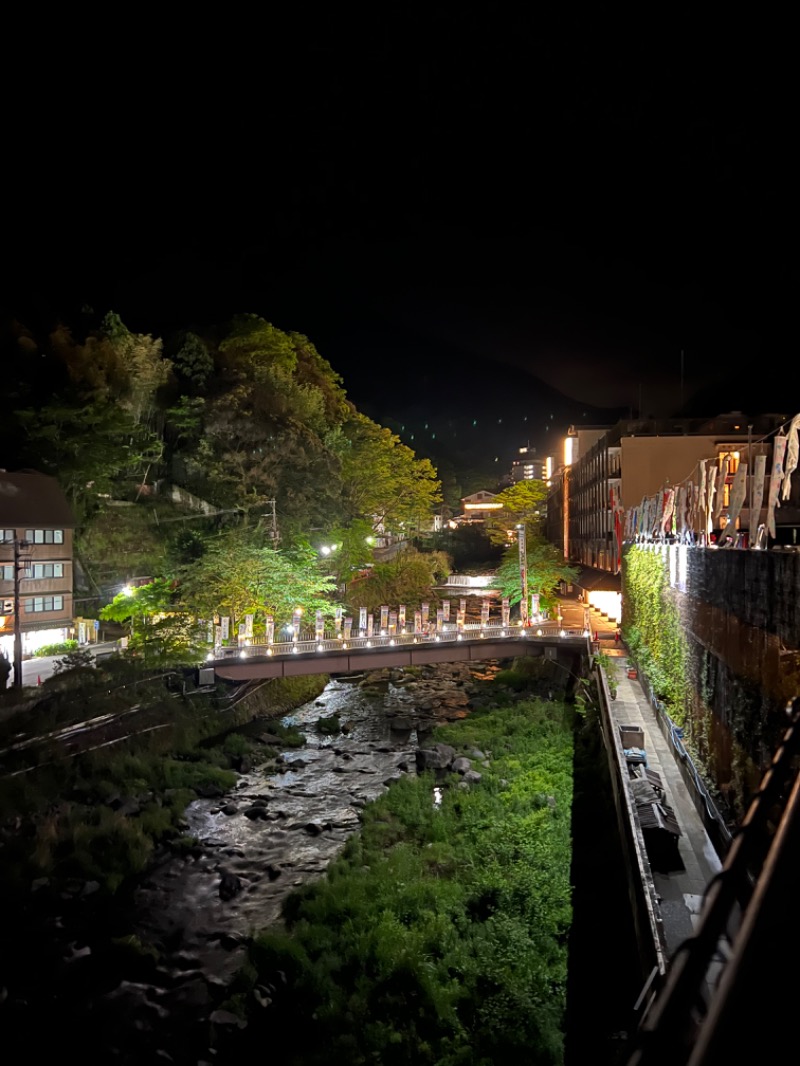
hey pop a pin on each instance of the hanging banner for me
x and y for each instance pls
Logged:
(720, 500)
(270, 628)
(348, 627)
(462, 606)
(425, 612)
(392, 622)
(535, 606)
(790, 465)
(738, 492)
(506, 610)
(401, 617)
(248, 626)
(778, 452)
(297, 615)
(218, 634)
(242, 634)
(337, 620)
(362, 620)
(523, 576)
(210, 633)
(485, 613)
(446, 610)
(757, 489)
(370, 624)
(319, 626)
(226, 627)
(439, 619)
(384, 618)
(417, 621)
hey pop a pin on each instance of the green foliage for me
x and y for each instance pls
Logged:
(440, 934)
(546, 569)
(383, 479)
(523, 503)
(239, 576)
(653, 630)
(62, 648)
(409, 578)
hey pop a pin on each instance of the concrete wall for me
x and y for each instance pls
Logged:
(740, 612)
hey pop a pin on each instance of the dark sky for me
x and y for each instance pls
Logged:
(462, 211)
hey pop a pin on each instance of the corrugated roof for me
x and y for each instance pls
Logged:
(33, 500)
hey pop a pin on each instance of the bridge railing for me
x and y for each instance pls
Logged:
(547, 629)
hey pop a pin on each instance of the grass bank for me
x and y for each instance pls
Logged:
(440, 935)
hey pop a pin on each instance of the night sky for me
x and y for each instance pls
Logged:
(480, 215)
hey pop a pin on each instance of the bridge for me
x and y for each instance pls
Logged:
(570, 648)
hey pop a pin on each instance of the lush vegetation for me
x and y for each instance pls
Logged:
(652, 630)
(547, 567)
(440, 935)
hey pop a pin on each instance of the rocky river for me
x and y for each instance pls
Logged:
(281, 826)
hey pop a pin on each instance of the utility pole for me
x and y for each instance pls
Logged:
(273, 533)
(19, 545)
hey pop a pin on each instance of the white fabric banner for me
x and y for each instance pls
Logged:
(791, 457)
(775, 478)
(738, 493)
(757, 493)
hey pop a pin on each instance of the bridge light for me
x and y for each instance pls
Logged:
(459, 637)
(391, 643)
(242, 654)
(482, 634)
(539, 633)
(414, 641)
(269, 651)
(563, 632)
(294, 650)
(369, 643)
(319, 647)
(344, 647)
(210, 657)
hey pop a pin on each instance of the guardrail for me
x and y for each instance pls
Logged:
(545, 630)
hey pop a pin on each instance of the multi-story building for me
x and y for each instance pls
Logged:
(36, 530)
(607, 470)
(528, 466)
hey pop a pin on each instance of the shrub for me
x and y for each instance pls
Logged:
(61, 648)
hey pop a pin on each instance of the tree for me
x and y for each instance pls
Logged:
(522, 504)
(237, 577)
(161, 631)
(409, 578)
(383, 479)
(546, 569)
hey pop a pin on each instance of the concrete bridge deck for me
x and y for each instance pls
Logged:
(339, 656)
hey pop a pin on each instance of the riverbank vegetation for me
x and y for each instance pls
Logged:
(440, 935)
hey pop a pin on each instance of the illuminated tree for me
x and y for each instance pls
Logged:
(522, 504)
(546, 569)
(383, 479)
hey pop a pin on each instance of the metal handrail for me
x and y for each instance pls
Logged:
(544, 630)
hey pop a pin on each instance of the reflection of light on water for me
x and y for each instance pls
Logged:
(437, 797)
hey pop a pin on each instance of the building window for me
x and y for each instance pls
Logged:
(37, 571)
(45, 536)
(6, 536)
(40, 604)
(7, 572)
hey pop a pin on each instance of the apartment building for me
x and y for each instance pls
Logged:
(608, 471)
(36, 537)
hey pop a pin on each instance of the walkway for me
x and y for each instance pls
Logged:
(679, 893)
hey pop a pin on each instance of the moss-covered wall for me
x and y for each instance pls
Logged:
(722, 631)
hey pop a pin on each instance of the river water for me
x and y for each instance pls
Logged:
(299, 817)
